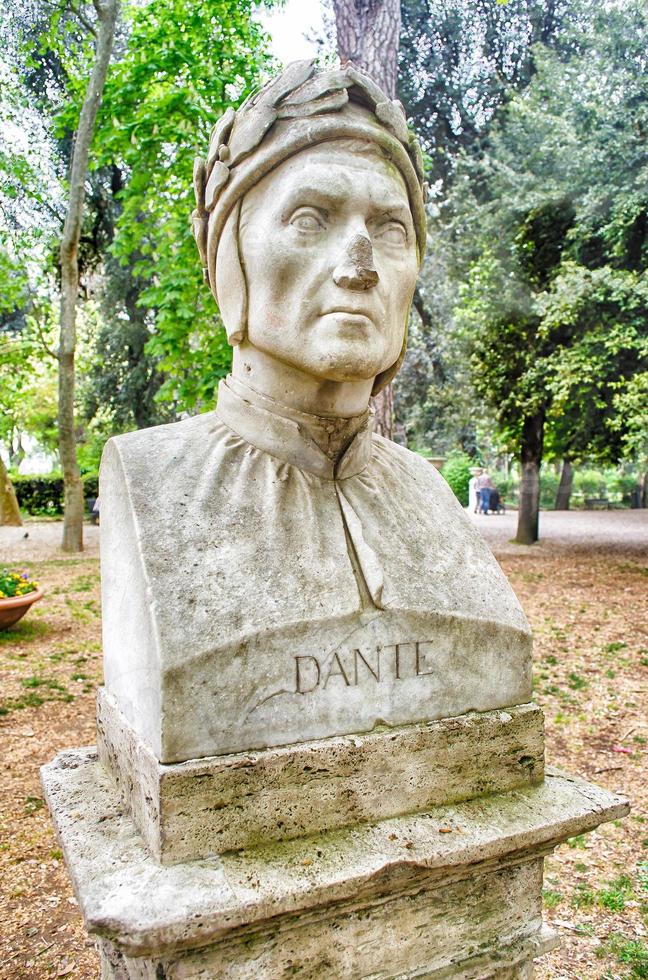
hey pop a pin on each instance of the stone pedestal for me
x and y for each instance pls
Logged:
(225, 803)
(454, 892)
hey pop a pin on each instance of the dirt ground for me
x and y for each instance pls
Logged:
(584, 590)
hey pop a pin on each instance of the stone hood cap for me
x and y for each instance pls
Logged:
(300, 108)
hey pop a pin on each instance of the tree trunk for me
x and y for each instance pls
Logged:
(73, 514)
(368, 34)
(9, 509)
(530, 460)
(563, 494)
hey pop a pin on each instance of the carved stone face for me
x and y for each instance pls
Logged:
(329, 251)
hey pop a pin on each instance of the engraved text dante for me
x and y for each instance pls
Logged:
(396, 661)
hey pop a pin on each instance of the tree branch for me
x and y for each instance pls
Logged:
(68, 5)
(83, 20)
(52, 210)
(43, 342)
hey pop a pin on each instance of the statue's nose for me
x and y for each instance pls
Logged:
(356, 270)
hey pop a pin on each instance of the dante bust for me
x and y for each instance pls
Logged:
(273, 571)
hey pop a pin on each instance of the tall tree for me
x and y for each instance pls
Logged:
(106, 14)
(460, 60)
(553, 220)
(458, 64)
(9, 510)
(368, 33)
(563, 493)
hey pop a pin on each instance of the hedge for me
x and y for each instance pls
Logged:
(457, 473)
(44, 494)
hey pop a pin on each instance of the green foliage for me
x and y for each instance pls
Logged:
(44, 494)
(611, 483)
(551, 898)
(27, 387)
(14, 283)
(592, 381)
(630, 952)
(456, 471)
(616, 894)
(176, 67)
(459, 61)
(89, 454)
(185, 62)
(553, 221)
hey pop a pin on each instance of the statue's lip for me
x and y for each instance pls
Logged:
(348, 311)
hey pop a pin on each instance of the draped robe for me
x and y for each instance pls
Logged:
(264, 584)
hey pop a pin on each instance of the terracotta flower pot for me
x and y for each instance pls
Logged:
(15, 607)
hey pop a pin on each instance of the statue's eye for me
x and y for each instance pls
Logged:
(393, 233)
(306, 219)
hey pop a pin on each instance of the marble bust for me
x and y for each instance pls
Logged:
(273, 572)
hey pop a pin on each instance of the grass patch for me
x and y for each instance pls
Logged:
(617, 893)
(576, 682)
(60, 562)
(49, 682)
(551, 898)
(54, 691)
(583, 897)
(629, 567)
(629, 952)
(24, 631)
(83, 610)
(33, 803)
(84, 583)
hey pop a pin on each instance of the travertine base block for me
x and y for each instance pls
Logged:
(416, 931)
(210, 806)
(451, 893)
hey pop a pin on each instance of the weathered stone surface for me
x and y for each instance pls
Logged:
(149, 910)
(271, 572)
(419, 932)
(211, 806)
(232, 621)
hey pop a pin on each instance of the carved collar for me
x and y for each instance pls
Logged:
(334, 449)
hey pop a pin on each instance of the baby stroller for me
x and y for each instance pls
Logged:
(496, 502)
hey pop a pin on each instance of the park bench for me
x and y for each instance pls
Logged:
(594, 503)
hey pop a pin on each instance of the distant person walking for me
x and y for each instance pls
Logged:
(484, 487)
(473, 494)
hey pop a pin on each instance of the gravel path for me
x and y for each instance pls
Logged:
(41, 541)
(614, 530)
(609, 530)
